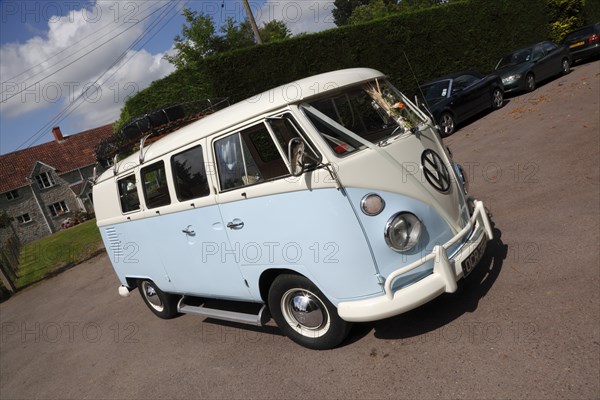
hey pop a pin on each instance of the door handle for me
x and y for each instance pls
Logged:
(235, 224)
(189, 231)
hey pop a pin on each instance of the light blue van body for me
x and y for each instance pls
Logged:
(229, 243)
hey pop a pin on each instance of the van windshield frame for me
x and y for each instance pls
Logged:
(362, 115)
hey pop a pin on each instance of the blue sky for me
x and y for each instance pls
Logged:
(52, 51)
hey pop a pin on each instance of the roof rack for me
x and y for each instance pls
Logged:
(152, 126)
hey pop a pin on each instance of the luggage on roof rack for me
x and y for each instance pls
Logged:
(156, 123)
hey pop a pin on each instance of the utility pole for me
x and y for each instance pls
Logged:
(252, 22)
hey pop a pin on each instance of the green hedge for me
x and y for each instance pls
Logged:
(591, 11)
(443, 39)
(463, 35)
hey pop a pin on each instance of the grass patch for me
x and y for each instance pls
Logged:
(65, 248)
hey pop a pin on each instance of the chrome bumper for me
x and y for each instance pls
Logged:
(445, 274)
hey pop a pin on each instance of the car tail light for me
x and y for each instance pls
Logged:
(594, 38)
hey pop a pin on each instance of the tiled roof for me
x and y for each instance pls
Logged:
(75, 151)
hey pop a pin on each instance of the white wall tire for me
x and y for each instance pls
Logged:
(304, 314)
(163, 305)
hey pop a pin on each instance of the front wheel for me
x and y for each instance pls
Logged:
(447, 124)
(529, 82)
(163, 305)
(304, 314)
(497, 98)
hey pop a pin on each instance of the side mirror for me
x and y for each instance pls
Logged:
(296, 150)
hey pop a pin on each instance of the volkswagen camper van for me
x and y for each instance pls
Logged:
(323, 202)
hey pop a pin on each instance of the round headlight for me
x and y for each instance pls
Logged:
(372, 204)
(402, 231)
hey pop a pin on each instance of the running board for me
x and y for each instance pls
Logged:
(259, 319)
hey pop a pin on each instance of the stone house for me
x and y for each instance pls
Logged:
(42, 186)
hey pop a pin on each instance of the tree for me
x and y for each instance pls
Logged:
(374, 10)
(274, 31)
(197, 39)
(564, 16)
(235, 36)
(344, 8)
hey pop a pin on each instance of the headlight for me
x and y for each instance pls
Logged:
(402, 231)
(511, 79)
(372, 204)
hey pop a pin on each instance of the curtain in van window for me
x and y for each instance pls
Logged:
(230, 161)
(228, 150)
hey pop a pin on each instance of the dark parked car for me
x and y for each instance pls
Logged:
(453, 98)
(584, 42)
(523, 69)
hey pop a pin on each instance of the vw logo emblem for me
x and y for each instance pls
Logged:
(435, 171)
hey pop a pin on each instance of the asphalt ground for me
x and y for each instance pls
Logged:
(525, 324)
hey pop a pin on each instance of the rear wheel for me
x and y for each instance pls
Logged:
(446, 124)
(163, 305)
(497, 98)
(304, 314)
(530, 82)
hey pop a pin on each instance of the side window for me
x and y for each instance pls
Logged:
(549, 47)
(247, 158)
(128, 194)
(189, 174)
(538, 53)
(156, 191)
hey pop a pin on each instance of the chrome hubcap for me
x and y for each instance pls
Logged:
(530, 82)
(447, 124)
(305, 312)
(152, 297)
(498, 98)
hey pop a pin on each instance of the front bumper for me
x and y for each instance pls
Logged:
(514, 86)
(446, 272)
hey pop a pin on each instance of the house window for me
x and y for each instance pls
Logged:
(45, 180)
(13, 194)
(58, 208)
(23, 219)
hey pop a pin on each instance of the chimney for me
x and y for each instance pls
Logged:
(57, 133)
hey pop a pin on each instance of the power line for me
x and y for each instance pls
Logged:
(79, 58)
(166, 9)
(152, 26)
(65, 49)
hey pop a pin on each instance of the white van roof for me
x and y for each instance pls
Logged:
(277, 98)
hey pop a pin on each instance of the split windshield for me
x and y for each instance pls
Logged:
(371, 113)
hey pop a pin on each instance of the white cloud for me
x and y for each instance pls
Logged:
(102, 106)
(73, 35)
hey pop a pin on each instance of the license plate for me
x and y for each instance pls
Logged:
(470, 262)
(577, 44)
